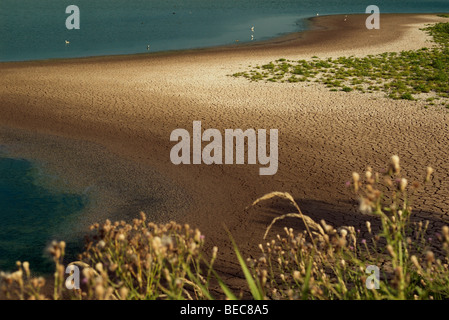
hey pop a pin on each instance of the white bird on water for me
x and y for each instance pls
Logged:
(67, 42)
(252, 28)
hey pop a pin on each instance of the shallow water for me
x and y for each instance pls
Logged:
(35, 29)
(31, 215)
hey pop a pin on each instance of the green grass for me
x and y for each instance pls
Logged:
(408, 75)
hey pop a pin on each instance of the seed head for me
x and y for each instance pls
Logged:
(430, 257)
(365, 206)
(391, 251)
(429, 173)
(123, 293)
(26, 267)
(395, 167)
(99, 267)
(403, 184)
(356, 179)
(99, 291)
(415, 262)
(445, 232)
(368, 226)
(296, 275)
(368, 175)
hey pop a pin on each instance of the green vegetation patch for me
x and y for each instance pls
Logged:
(400, 75)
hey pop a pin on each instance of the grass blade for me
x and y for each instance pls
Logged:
(256, 292)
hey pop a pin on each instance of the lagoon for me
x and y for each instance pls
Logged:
(36, 29)
(32, 215)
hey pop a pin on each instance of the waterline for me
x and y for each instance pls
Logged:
(35, 30)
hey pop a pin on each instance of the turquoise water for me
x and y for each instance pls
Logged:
(31, 215)
(35, 29)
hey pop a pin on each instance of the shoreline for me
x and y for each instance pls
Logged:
(310, 21)
(108, 120)
(316, 24)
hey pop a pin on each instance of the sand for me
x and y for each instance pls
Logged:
(105, 123)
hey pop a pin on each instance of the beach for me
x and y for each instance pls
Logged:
(106, 122)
